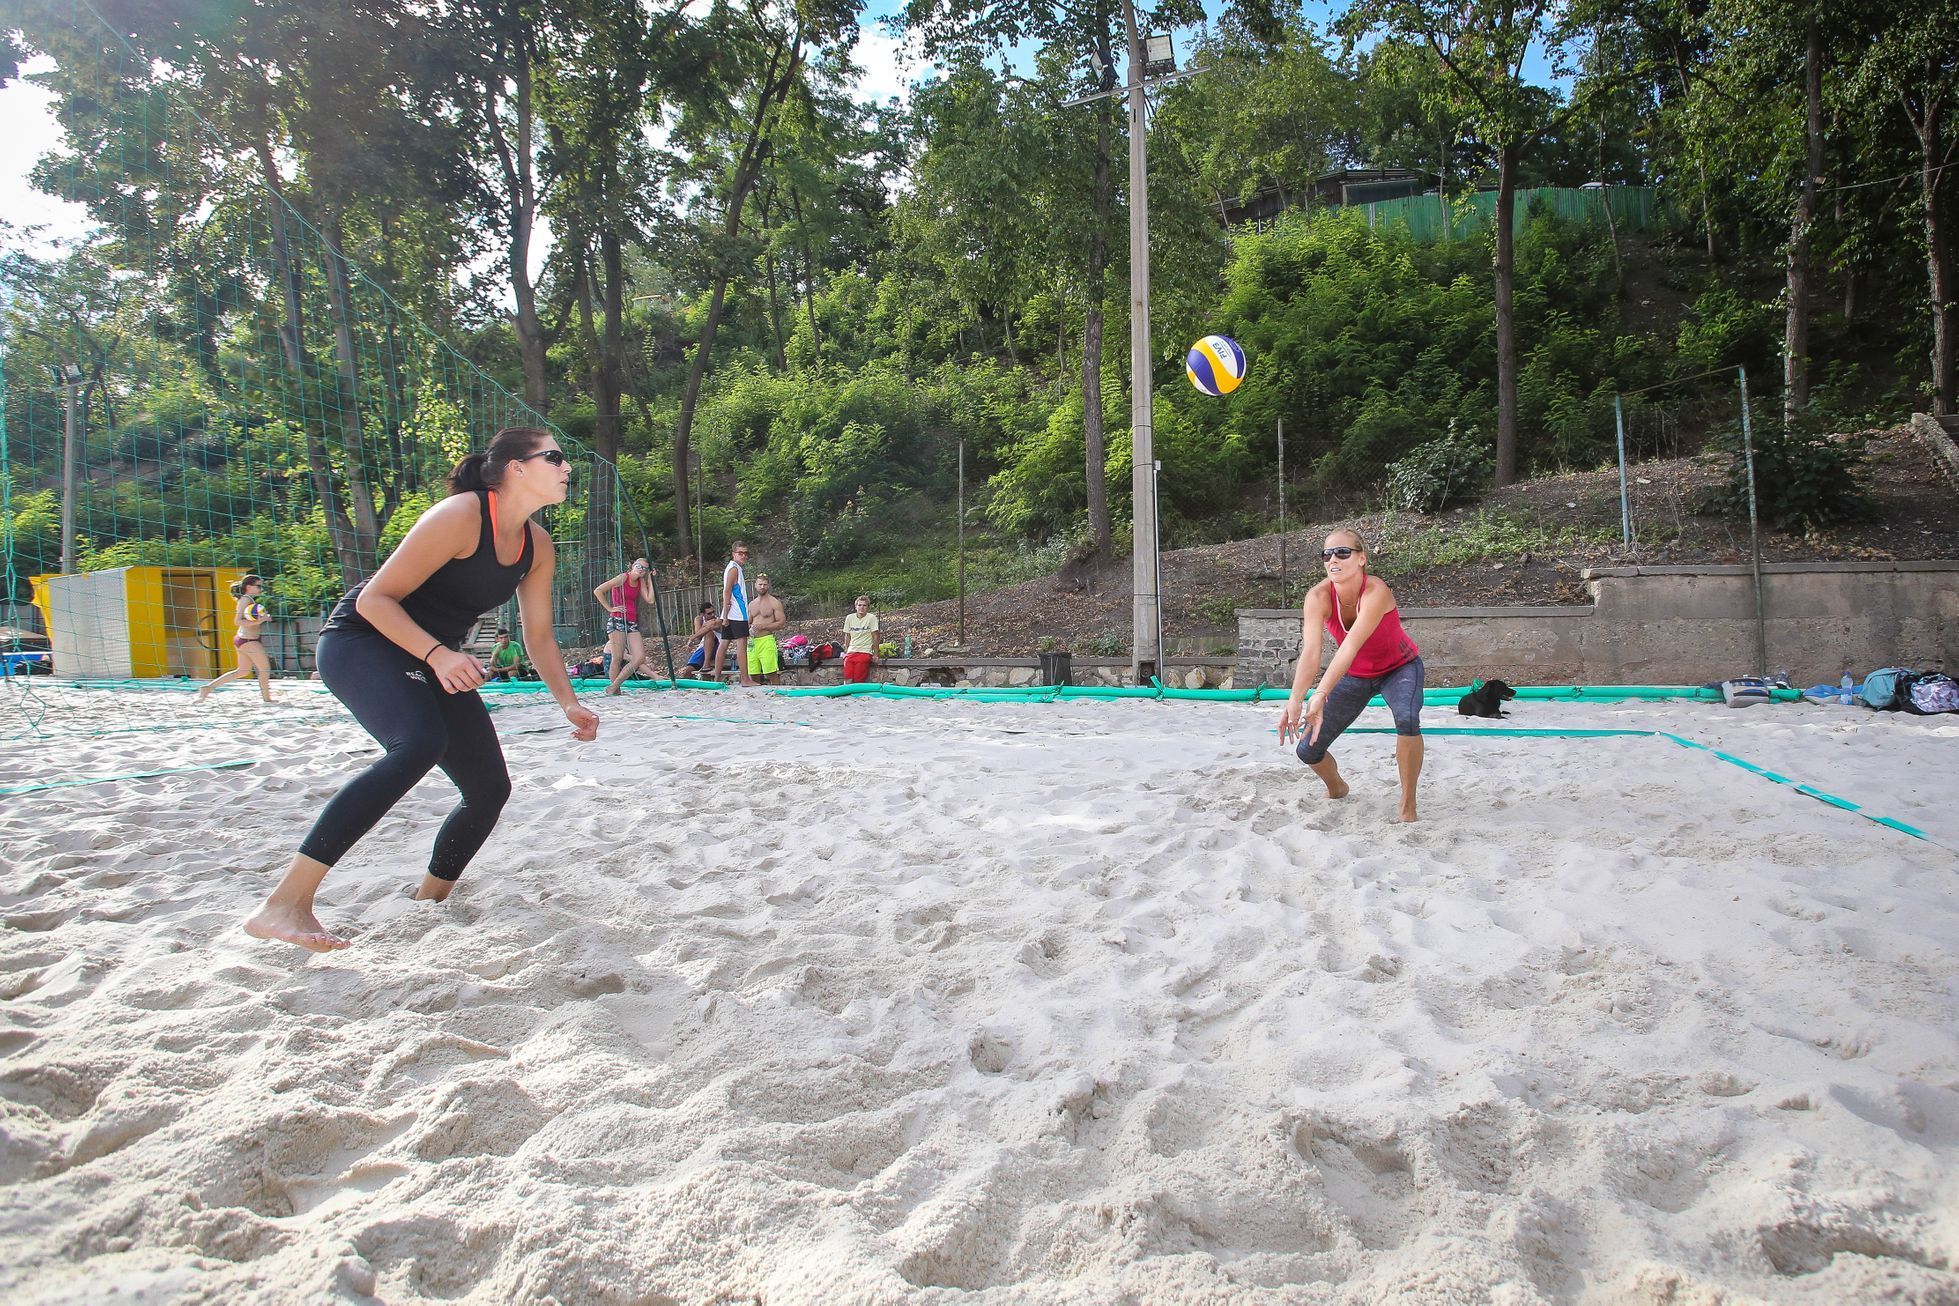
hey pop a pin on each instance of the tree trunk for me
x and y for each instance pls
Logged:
(1795, 331)
(353, 425)
(531, 342)
(1506, 316)
(775, 85)
(1700, 164)
(1929, 126)
(1094, 433)
(292, 341)
(809, 281)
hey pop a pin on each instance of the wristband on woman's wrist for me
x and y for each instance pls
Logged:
(432, 648)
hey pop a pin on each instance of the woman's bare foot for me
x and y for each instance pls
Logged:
(1407, 810)
(1336, 788)
(295, 925)
(432, 889)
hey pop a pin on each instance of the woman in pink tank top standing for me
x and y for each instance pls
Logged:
(620, 597)
(1372, 655)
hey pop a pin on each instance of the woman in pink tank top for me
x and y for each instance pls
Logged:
(620, 598)
(1372, 655)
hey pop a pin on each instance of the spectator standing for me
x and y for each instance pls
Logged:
(734, 612)
(860, 627)
(766, 616)
(625, 647)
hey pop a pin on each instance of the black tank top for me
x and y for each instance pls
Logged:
(449, 602)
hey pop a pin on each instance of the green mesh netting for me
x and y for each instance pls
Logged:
(206, 385)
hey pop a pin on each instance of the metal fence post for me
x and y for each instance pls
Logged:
(1625, 496)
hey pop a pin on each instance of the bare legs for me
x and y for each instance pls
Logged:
(740, 649)
(1408, 760)
(287, 913)
(251, 661)
(1329, 772)
(628, 654)
(1408, 752)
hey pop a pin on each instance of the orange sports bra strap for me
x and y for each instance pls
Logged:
(493, 513)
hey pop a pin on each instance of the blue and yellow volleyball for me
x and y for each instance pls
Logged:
(1215, 365)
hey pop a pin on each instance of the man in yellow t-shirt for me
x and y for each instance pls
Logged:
(861, 628)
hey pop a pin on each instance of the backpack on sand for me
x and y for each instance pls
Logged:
(1931, 694)
(1881, 688)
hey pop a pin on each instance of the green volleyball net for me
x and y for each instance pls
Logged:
(208, 376)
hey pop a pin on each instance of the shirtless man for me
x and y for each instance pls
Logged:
(766, 616)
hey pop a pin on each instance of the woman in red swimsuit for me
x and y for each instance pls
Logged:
(1372, 655)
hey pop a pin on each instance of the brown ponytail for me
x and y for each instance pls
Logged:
(484, 471)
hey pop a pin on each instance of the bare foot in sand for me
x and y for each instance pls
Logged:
(432, 889)
(1407, 810)
(1336, 789)
(295, 925)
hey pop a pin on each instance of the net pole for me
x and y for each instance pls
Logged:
(1754, 532)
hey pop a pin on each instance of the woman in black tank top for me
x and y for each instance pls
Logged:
(389, 652)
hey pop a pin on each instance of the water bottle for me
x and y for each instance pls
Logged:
(1846, 690)
(908, 644)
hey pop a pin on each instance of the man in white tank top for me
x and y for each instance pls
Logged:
(734, 610)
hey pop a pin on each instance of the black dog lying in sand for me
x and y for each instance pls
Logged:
(1486, 698)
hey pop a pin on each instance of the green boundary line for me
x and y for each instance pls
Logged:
(139, 775)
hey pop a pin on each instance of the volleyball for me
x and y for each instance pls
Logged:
(1215, 365)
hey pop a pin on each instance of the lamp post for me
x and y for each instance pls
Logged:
(1151, 60)
(68, 378)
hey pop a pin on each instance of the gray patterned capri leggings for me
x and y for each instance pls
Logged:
(1401, 688)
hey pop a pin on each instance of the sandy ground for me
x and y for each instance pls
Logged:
(801, 1000)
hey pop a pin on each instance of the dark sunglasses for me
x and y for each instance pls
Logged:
(1341, 552)
(556, 457)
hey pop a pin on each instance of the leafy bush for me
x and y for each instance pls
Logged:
(1438, 474)
(1805, 480)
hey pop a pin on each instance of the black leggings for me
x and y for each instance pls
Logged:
(399, 701)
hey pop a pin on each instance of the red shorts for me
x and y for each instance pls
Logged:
(856, 668)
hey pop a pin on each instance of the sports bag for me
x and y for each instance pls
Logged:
(1931, 694)
(1881, 688)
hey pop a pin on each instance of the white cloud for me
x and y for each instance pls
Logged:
(887, 64)
(31, 131)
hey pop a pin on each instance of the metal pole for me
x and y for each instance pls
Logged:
(1625, 497)
(1285, 590)
(1145, 627)
(70, 443)
(962, 541)
(1754, 535)
(1156, 555)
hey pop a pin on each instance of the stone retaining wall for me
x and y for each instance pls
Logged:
(1936, 436)
(1671, 625)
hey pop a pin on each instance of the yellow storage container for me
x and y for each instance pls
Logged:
(139, 622)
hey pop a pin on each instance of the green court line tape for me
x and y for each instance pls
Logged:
(115, 779)
(1808, 790)
(1514, 732)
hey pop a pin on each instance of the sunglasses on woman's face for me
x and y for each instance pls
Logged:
(556, 457)
(1342, 552)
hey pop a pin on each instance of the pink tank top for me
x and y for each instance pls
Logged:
(626, 597)
(1387, 648)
